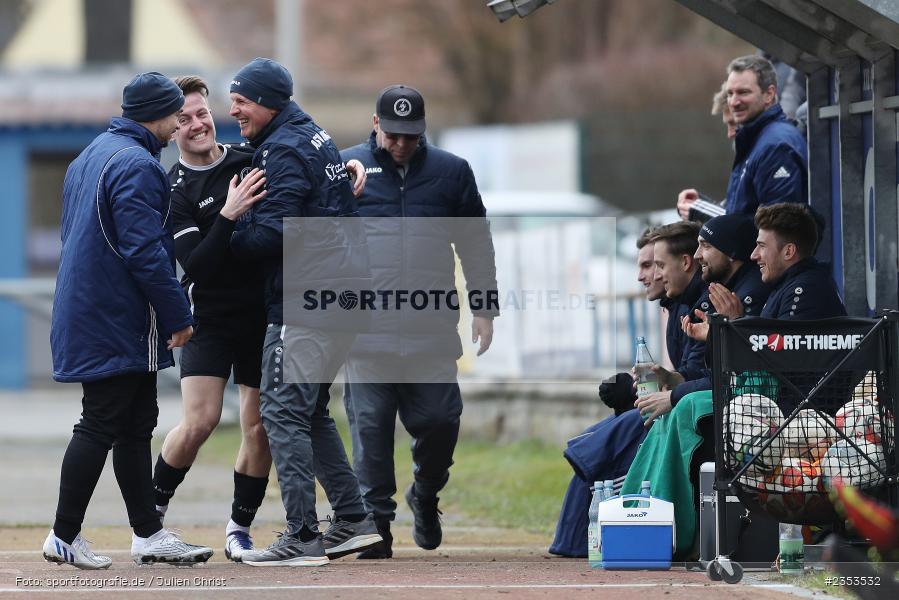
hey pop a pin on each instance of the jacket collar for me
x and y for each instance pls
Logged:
(384, 159)
(291, 112)
(749, 132)
(136, 131)
(806, 264)
(742, 273)
(693, 291)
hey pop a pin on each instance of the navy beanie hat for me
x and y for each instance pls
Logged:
(734, 235)
(151, 96)
(264, 82)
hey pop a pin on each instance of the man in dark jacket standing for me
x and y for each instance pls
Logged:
(406, 365)
(300, 235)
(771, 161)
(117, 300)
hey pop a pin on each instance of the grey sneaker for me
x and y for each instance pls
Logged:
(343, 537)
(426, 529)
(288, 551)
(165, 546)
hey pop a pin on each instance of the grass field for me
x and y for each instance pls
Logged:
(518, 485)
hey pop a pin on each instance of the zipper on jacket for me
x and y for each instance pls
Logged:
(403, 253)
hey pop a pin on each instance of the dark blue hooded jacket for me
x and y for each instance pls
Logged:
(770, 165)
(117, 300)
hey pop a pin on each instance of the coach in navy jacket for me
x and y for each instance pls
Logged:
(771, 160)
(117, 299)
(117, 313)
(307, 181)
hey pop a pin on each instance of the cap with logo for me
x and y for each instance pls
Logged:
(401, 109)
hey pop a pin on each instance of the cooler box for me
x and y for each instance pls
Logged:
(636, 537)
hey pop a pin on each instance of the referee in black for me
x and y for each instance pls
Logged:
(212, 186)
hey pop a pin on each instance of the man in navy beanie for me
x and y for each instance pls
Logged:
(118, 312)
(305, 178)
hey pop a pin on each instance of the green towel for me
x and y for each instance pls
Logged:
(664, 460)
(665, 455)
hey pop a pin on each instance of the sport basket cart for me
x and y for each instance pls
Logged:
(796, 404)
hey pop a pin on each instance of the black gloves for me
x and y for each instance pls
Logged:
(618, 393)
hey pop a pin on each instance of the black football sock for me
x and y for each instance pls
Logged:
(166, 480)
(82, 465)
(249, 492)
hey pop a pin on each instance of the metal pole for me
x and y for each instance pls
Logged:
(288, 40)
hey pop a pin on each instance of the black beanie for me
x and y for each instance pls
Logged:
(264, 82)
(151, 96)
(734, 235)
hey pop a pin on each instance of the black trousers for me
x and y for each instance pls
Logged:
(118, 413)
(430, 412)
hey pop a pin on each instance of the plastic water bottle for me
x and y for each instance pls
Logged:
(792, 549)
(608, 489)
(645, 490)
(594, 555)
(647, 382)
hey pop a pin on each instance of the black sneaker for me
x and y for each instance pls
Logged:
(288, 551)
(344, 537)
(384, 548)
(426, 530)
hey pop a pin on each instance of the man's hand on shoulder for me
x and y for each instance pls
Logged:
(357, 172)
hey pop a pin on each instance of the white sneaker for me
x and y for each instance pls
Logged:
(166, 547)
(236, 543)
(78, 553)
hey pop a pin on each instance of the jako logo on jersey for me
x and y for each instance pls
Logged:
(370, 170)
(337, 171)
(319, 139)
(206, 202)
(777, 342)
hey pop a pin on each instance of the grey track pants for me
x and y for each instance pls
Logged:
(301, 433)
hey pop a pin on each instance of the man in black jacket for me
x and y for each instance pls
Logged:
(304, 242)
(406, 365)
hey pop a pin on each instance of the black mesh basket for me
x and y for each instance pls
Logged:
(799, 403)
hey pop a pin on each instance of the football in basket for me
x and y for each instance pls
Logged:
(860, 419)
(807, 436)
(751, 420)
(852, 465)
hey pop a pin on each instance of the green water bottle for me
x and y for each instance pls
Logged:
(792, 549)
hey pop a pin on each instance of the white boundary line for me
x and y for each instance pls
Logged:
(249, 588)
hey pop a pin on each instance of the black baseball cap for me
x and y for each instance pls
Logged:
(401, 109)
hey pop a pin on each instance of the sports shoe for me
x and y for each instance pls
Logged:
(426, 529)
(78, 553)
(384, 548)
(237, 543)
(288, 551)
(164, 546)
(343, 537)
